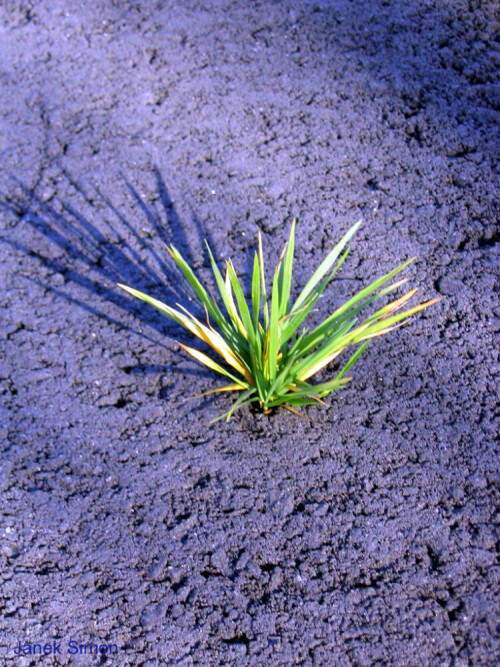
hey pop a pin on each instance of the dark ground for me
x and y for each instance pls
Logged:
(368, 537)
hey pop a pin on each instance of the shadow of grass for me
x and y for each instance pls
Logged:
(100, 247)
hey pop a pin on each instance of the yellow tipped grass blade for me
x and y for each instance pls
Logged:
(228, 388)
(395, 305)
(386, 324)
(219, 345)
(209, 336)
(319, 365)
(162, 307)
(207, 361)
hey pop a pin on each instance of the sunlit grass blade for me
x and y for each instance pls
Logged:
(263, 283)
(188, 321)
(272, 337)
(285, 267)
(326, 388)
(256, 293)
(233, 313)
(218, 343)
(198, 289)
(224, 287)
(352, 307)
(384, 312)
(218, 390)
(352, 360)
(162, 307)
(296, 318)
(387, 324)
(245, 398)
(325, 266)
(320, 363)
(210, 363)
(252, 335)
(330, 346)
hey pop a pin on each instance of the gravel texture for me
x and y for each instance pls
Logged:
(368, 536)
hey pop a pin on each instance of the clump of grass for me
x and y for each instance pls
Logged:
(269, 355)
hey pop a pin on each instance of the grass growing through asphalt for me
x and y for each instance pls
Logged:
(269, 355)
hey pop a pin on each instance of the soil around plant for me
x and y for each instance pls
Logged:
(133, 532)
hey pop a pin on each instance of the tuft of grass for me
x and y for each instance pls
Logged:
(263, 347)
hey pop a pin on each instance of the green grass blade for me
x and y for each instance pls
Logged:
(254, 339)
(202, 294)
(244, 399)
(273, 332)
(380, 327)
(352, 360)
(296, 319)
(352, 307)
(256, 293)
(310, 396)
(210, 363)
(236, 336)
(285, 269)
(325, 266)
(218, 277)
(282, 379)
(325, 388)
(244, 311)
(330, 346)
(263, 283)
(159, 305)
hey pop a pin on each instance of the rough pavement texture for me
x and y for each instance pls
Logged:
(368, 537)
